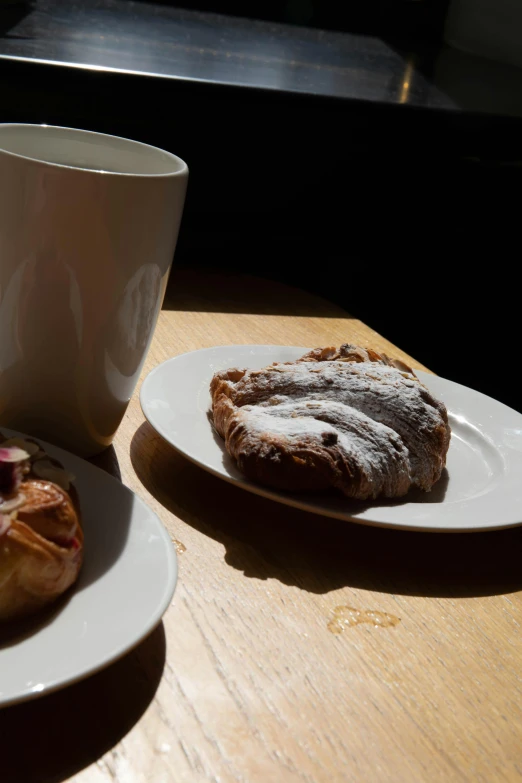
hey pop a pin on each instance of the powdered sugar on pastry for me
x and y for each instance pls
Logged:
(345, 418)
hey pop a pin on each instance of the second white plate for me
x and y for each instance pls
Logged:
(126, 584)
(481, 488)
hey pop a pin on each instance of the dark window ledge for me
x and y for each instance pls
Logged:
(144, 38)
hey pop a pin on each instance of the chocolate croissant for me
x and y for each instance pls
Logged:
(347, 418)
(41, 539)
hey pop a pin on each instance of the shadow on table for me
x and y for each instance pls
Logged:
(107, 460)
(267, 540)
(53, 737)
(211, 292)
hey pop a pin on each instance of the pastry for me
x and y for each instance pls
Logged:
(347, 418)
(41, 539)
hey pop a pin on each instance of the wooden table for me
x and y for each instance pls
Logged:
(254, 674)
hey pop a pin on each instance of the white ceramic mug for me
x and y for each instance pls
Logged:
(88, 229)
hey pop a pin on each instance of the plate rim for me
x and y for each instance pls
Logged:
(294, 501)
(153, 620)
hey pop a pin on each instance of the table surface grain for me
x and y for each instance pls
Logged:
(256, 672)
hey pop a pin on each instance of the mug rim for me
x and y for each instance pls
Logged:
(182, 169)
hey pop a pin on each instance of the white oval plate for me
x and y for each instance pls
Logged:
(126, 584)
(481, 488)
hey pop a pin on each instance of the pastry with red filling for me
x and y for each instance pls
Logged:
(41, 538)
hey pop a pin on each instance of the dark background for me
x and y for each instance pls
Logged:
(400, 19)
(406, 215)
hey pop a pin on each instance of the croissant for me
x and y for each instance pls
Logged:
(41, 538)
(347, 418)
